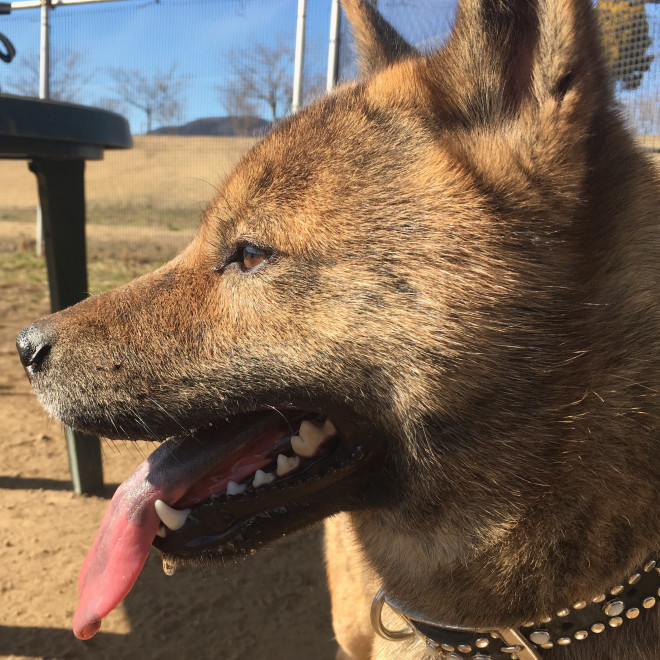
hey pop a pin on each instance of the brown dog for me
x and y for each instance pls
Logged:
(430, 301)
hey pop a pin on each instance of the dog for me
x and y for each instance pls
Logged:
(426, 308)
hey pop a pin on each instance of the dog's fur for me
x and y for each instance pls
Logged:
(465, 255)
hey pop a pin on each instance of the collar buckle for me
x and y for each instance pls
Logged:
(515, 640)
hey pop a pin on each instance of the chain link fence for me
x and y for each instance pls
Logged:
(200, 80)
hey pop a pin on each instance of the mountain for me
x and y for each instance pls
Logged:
(226, 126)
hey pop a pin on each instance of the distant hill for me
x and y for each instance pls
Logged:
(225, 126)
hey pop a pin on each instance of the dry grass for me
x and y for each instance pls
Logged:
(143, 204)
(651, 142)
(114, 254)
(162, 173)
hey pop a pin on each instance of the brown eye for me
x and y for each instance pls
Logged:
(253, 256)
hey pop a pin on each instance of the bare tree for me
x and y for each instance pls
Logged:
(67, 78)
(159, 96)
(240, 109)
(314, 86)
(260, 75)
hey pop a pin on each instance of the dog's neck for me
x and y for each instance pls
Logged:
(599, 615)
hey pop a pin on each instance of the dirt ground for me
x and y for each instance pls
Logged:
(274, 605)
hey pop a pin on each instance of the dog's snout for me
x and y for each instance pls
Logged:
(34, 345)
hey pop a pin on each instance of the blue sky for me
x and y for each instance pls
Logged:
(199, 36)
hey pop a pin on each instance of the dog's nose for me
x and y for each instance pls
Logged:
(34, 345)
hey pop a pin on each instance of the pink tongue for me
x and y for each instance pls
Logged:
(120, 549)
(130, 524)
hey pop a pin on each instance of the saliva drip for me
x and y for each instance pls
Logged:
(169, 566)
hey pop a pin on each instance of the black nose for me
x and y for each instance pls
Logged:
(34, 345)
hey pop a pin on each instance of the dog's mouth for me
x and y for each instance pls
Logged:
(225, 489)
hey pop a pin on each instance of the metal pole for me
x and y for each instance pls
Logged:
(333, 49)
(44, 55)
(299, 61)
(44, 93)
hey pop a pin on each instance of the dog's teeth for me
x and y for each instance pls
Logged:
(286, 464)
(235, 489)
(262, 478)
(172, 518)
(162, 531)
(309, 439)
(329, 428)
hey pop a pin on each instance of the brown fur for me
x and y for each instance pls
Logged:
(466, 254)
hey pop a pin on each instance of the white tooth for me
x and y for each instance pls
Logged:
(172, 518)
(301, 447)
(162, 531)
(308, 440)
(329, 428)
(235, 489)
(262, 478)
(286, 464)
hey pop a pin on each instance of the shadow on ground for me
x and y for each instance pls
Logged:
(232, 612)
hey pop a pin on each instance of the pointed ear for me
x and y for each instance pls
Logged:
(378, 43)
(504, 54)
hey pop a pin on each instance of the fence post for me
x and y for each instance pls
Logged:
(333, 49)
(299, 61)
(44, 93)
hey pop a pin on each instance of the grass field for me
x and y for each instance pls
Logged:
(143, 204)
(21, 267)
(651, 142)
(162, 180)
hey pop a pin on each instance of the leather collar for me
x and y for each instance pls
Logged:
(602, 613)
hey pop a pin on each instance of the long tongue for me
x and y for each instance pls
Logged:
(119, 550)
(130, 524)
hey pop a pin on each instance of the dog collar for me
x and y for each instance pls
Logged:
(621, 604)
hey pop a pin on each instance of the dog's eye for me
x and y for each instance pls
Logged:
(246, 257)
(252, 256)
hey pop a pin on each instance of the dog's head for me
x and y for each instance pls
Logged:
(405, 291)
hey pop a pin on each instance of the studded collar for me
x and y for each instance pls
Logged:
(621, 604)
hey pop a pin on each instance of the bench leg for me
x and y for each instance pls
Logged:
(62, 198)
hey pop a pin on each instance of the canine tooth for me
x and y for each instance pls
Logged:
(235, 489)
(308, 440)
(162, 531)
(286, 464)
(262, 478)
(329, 428)
(172, 518)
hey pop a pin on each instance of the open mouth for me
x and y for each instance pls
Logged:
(224, 489)
(264, 477)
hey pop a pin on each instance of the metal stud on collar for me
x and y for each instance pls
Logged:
(571, 625)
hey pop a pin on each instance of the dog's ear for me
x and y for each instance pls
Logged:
(378, 43)
(504, 54)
